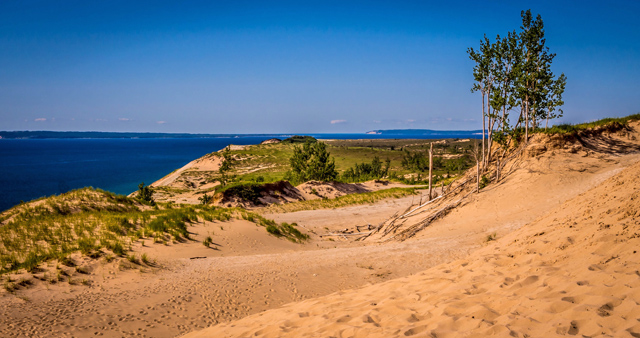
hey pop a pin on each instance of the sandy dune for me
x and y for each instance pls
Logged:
(563, 262)
(574, 270)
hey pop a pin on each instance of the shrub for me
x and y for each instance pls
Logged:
(484, 181)
(133, 259)
(272, 229)
(145, 259)
(311, 162)
(145, 194)
(205, 199)
(207, 241)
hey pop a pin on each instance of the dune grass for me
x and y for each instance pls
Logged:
(342, 201)
(98, 223)
(570, 129)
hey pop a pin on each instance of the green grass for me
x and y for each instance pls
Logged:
(94, 222)
(342, 201)
(270, 162)
(570, 129)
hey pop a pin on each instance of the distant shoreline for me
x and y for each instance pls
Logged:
(403, 133)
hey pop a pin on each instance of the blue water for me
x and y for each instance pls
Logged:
(32, 168)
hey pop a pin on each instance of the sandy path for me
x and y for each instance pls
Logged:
(198, 293)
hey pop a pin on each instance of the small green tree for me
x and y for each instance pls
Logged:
(225, 166)
(227, 161)
(205, 199)
(311, 162)
(145, 193)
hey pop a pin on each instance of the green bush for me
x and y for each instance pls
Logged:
(311, 162)
(145, 194)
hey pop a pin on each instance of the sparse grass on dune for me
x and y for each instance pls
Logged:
(569, 129)
(92, 221)
(343, 201)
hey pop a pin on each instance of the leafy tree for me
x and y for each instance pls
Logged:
(311, 162)
(515, 72)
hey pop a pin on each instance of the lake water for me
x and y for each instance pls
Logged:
(32, 168)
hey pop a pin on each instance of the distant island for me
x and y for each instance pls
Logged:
(422, 132)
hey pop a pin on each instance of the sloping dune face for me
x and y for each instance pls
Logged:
(574, 271)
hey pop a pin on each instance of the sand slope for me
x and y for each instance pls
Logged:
(573, 271)
(252, 272)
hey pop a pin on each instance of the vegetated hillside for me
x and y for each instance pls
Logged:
(572, 271)
(548, 161)
(269, 163)
(95, 225)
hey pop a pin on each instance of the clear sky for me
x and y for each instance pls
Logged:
(292, 67)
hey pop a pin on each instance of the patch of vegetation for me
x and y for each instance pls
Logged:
(611, 124)
(207, 241)
(311, 162)
(484, 181)
(286, 230)
(268, 163)
(145, 259)
(299, 139)
(342, 201)
(94, 222)
(246, 191)
(365, 171)
(145, 194)
(205, 199)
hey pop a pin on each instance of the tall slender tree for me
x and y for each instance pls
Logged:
(515, 72)
(533, 69)
(484, 77)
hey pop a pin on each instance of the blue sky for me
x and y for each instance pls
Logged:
(291, 67)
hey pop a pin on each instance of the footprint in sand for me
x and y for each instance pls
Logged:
(344, 319)
(416, 330)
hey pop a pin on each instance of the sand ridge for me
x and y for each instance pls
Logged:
(252, 272)
(573, 271)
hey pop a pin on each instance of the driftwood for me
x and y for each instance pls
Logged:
(414, 229)
(344, 235)
(390, 228)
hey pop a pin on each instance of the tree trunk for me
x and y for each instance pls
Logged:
(546, 125)
(526, 124)
(430, 167)
(483, 128)
(477, 177)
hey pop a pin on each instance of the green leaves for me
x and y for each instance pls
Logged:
(311, 162)
(145, 194)
(515, 71)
